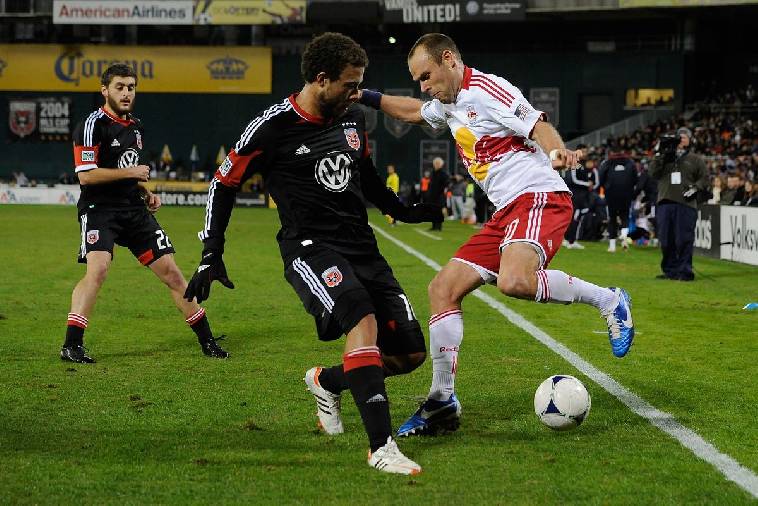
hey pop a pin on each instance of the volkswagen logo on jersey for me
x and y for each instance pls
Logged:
(128, 158)
(333, 171)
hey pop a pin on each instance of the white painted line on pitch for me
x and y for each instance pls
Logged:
(732, 470)
(427, 234)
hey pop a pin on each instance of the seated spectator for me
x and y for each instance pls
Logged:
(751, 194)
(21, 179)
(734, 191)
(717, 184)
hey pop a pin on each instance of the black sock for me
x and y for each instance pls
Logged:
(74, 336)
(200, 326)
(75, 326)
(333, 379)
(363, 371)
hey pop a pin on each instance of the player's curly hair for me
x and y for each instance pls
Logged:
(435, 44)
(330, 53)
(120, 70)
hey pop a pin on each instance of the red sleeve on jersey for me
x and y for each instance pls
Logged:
(85, 157)
(232, 171)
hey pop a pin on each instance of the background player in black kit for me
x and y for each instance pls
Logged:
(311, 150)
(113, 208)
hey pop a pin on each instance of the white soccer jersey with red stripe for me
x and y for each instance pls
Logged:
(491, 122)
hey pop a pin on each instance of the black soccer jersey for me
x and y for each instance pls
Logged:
(106, 141)
(317, 172)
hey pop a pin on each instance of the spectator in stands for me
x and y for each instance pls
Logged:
(21, 179)
(717, 184)
(735, 189)
(680, 174)
(618, 177)
(750, 198)
(424, 186)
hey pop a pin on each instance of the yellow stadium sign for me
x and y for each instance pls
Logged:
(249, 12)
(162, 69)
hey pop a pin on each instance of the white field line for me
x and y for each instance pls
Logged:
(427, 234)
(732, 470)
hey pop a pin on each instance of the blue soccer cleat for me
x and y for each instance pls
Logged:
(620, 324)
(433, 417)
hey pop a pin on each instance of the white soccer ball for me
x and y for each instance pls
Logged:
(561, 402)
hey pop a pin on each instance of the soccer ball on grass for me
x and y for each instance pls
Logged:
(561, 402)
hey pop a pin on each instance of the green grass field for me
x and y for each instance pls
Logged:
(154, 421)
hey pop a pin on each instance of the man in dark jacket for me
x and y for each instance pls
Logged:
(437, 187)
(618, 177)
(681, 175)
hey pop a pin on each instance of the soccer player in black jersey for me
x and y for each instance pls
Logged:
(311, 150)
(114, 208)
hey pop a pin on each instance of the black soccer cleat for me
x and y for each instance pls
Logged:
(212, 349)
(76, 353)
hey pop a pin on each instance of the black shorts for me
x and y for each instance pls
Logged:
(339, 291)
(135, 229)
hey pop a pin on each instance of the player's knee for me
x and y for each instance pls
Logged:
(97, 273)
(439, 290)
(516, 286)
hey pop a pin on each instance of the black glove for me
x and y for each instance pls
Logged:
(419, 213)
(690, 193)
(211, 267)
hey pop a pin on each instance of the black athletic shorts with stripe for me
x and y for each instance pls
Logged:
(134, 228)
(340, 290)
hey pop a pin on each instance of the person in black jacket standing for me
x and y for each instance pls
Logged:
(681, 175)
(581, 181)
(437, 188)
(618, 177)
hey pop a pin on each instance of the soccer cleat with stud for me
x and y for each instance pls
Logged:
(620, 323)
(76, 353)
(433, 418)
(327, 404)
(212, 349)
(390, 459)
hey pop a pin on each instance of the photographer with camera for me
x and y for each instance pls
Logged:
(682, 181)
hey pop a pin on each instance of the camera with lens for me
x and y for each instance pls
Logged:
(667, 145)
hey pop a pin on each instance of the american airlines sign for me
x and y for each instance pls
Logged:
(104, 12)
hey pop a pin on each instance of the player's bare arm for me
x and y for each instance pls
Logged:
(550, 141)
(407, 109)
(102, 175)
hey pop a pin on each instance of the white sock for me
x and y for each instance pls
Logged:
(612, 244)
(560, 288)
(445, 336)
(624, 233)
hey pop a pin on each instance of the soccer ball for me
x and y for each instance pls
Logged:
(561, 402)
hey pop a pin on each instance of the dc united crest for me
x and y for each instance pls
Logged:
(332, 276)
(353, 139)
(93, 236)
(139, 139)
(333, 171)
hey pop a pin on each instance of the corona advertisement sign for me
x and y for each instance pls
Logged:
(160, 69)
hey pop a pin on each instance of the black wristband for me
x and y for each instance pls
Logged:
(371, 98)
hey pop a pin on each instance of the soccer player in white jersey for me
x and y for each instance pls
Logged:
(512, 152)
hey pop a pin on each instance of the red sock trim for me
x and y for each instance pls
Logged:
(362, 357)
(441, 316)
(77, 320)
(196, 317)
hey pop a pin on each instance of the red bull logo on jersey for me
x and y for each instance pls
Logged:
(353, 139)
(332, 276)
